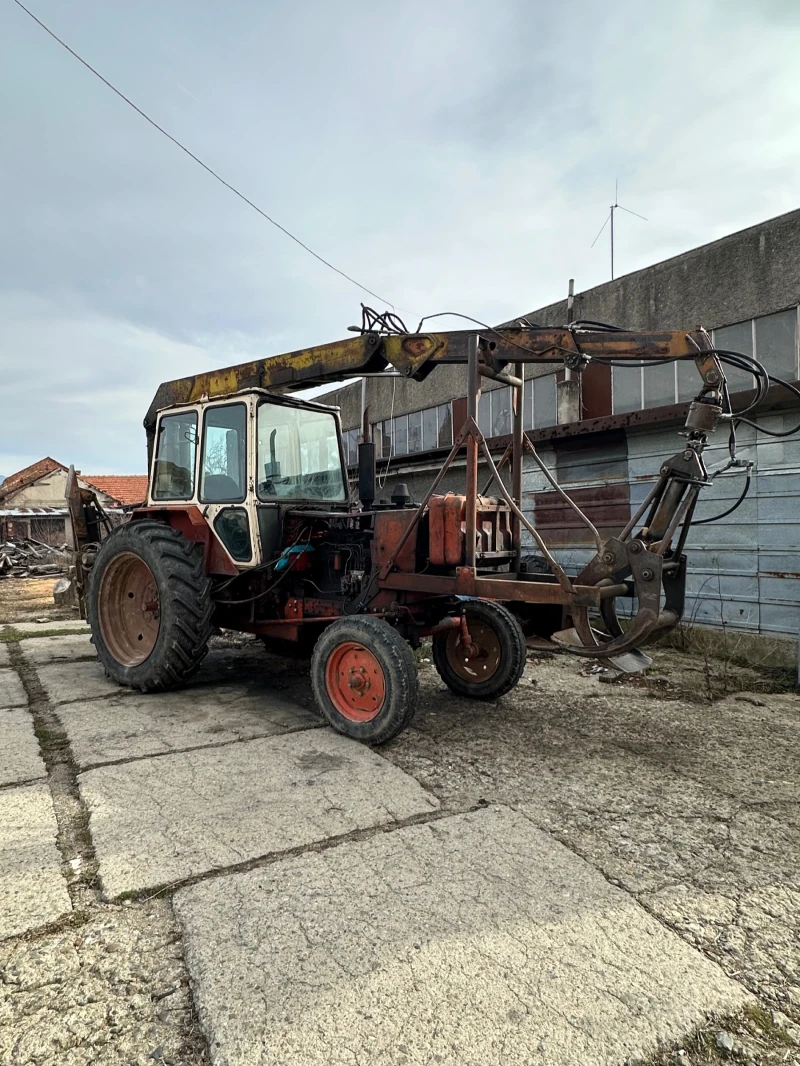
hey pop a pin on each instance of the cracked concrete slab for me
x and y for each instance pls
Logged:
(32, 889)
(65, 648)
(614, 778)
(160, 820)
(20, 758)
(672, 732)
(133, 725)
(69, 681)
(472, 940)
(109, 990)
(66, 682)
(12, 694)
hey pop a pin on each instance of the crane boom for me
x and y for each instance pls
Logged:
(416, 354)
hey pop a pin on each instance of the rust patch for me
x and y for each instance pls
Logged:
(607, 506)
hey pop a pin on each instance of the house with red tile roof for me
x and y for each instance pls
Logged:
(33, 502)
(124, 489)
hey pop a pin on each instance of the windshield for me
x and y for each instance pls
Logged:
(298, 454)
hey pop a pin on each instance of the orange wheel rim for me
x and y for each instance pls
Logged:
(481, 661)
(355, 682)
(128, 609)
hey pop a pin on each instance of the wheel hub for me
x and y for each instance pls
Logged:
(475, 660)
(129, 609)
(354, 681)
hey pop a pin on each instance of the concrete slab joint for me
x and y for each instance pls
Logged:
(32, 889)
(161, 820)
(470, 940)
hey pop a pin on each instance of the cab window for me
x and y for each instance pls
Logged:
(223, 477)
(298, 454)
(173, 469)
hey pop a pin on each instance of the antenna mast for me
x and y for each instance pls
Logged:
(610, 219)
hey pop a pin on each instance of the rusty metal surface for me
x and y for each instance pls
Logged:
(390, 528)
(490, 588)
(608, 506)
(415, 355)
(447, 529)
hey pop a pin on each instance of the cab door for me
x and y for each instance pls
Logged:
(224, 483)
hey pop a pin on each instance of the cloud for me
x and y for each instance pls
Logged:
(454, 156)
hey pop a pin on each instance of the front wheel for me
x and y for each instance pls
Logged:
(150, 606)
(364, 678)
(492, 663)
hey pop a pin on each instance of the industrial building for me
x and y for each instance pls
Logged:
(745, 288)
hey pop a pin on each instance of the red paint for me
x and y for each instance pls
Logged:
(189, 521)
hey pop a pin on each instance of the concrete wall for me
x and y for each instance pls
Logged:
(747, 274)
(753, 272)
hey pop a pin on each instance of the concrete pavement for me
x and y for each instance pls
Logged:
(471, 941)
(448, 898)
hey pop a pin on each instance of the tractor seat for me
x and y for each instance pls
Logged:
(219, 488)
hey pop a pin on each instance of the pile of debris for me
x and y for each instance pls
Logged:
(32, 558)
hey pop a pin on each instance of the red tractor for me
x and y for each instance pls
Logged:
(249, 524)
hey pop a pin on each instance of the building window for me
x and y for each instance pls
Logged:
(383, 438)
(444, 420)
(494, 412)
(738, 338)
(626, 389)
(415, 432)
(772, 339)
(540, 402)
(350, 440)
(776, 343)
(400, 428)
(659, 384)
(544, 401)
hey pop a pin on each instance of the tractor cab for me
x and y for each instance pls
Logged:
(244, 460)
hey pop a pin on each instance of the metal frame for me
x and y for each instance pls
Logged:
(624, 566)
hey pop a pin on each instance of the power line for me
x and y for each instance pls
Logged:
(197, 160)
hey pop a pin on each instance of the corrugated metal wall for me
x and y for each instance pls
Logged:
(744, 571)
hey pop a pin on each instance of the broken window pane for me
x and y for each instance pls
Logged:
(776, 343)
(544, 402)
(386, 438)
(626, 389)
(415, 431)
(485, 414)
(445, 421)
(401, 435)
(527, 412)
(430, 429)
(659, 385)
(501, 412)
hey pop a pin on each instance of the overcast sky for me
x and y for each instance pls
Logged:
(451, 154)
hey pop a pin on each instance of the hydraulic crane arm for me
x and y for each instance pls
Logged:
(416, 354)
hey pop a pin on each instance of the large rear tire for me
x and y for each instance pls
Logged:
(149, 606)
(495, 663)
(365, 679)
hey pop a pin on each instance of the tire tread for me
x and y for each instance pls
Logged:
(185, 594)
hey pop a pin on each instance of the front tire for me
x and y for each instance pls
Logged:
(496, 664)
(149, 606)
(365, 679)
